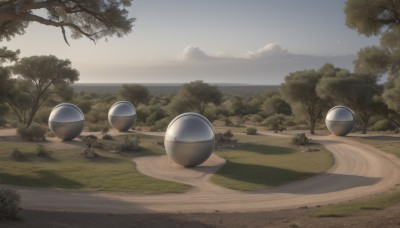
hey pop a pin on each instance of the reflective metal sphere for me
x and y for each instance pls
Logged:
(189, 139)
(122, 115)
(340, 120)
(66, 121)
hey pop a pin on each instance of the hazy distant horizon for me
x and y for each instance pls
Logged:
(257, 42)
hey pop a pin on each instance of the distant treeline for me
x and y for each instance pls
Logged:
(160, 89)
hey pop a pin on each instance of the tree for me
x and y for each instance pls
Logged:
(379, 18)
(372, 17)
(359, 92)
(371, 60)
(299, 88)
(276, 122)
(5, 74)
(195, 96)
(276, 105)
(134, 93)
(40, 77)
(8, 55)
(93, 19)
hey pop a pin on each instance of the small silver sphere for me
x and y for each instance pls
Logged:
(189, 139)
(340, 120)
(122, 115)
(66, 121)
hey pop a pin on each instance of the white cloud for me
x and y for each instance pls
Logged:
(193, 53)
(271, 49)
(267, 65)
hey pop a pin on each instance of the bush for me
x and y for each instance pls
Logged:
(42, 151)
(107, 137)
(383, 125)
(33, 132)
(16, 154)
(300, 139)
(251, 131)
(128, 144)
(9, 204)
(228, 121)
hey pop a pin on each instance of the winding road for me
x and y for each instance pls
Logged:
(359, 171)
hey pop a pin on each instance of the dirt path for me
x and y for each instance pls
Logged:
(359, 171)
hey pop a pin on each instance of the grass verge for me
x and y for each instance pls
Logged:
(67, 168)
(267, 162)
(387, 143)
(356, 207)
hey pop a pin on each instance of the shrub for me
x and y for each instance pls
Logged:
(227, 135)
(383, 125)
(42, 151)
(300, 139)
(228, 121)
(128, 144)
(33, 132)
(9, 204)
(16, 154)
(107, 137)
(251, 131)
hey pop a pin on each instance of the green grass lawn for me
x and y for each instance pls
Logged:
(356, 207)
(259, 162)
(67, 168)
(267, 162)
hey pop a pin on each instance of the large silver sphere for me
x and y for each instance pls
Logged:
(66, 121)
(122, 115)
(340, 120)
(189, 139)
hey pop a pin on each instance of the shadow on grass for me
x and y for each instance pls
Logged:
(103, 159)
(268, 176)
(44, 179)
(261, 175)
(266, 150)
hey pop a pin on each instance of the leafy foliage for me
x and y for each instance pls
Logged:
(194, 96)
(276, 122)
(42, 151)
(33, 132)
(300, 88)
(9, 204)
(40, 78)
(135, 94)
(300, 139)
(251, 131)
(93, 19)
(129, 144)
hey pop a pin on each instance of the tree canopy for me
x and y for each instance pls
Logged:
(300, 88)
(195, 96)
(93, 19)
(359, 92)
(8, 55)
(134, 93)
(40, 77)
(372, 17)
(380, 18)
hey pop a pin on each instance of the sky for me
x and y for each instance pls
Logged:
(218, 41)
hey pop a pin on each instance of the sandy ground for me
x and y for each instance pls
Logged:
(359, 171)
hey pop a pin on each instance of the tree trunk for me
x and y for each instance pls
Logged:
(365, 127)
(312, 127)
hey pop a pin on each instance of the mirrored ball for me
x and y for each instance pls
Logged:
(66, 121)
(340, 120)
(189, 139)
(122, 115)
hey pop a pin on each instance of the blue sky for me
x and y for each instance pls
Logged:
(231, 41)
